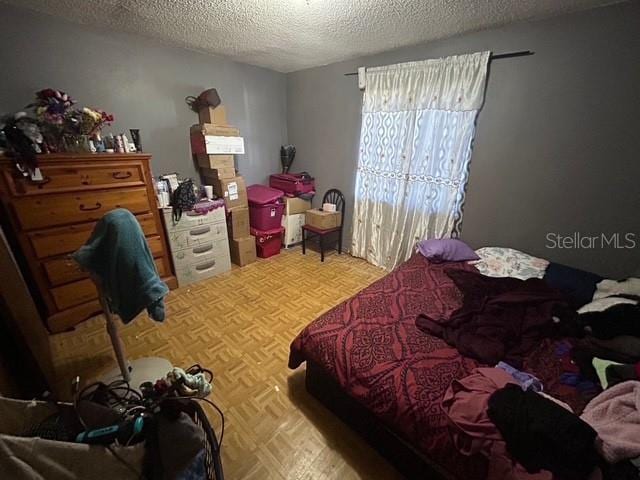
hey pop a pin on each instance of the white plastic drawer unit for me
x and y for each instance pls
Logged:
(199, 245)
(191, 256)
(189, 220)
(206, 267)
(197, 236)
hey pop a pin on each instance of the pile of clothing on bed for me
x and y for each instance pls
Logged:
(509, 306)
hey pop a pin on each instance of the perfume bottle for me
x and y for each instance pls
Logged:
(135, 138)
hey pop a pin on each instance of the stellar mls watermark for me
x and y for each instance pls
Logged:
(577, 240)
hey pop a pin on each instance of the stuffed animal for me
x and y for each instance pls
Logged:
(188, 384)
(24, 139)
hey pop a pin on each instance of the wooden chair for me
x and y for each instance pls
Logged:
(331, 196)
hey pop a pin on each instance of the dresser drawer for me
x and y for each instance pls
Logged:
(66, 319)
(59, 209)
(56, 241)
(190, 220)
(197, 236)
(190, 256)
(73, 294)
(82, 291)
(160, 267)
(206, 267)
(65, 269)
(65, 178)
(155, 245)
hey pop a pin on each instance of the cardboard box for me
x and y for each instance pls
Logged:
(217, 173)
(217, 116)
(215, 161)
(323, 220)
(233, 191)
(295, 205)
(238, 223)
(219, 130)
(292, 229)
(243, 250)
(216, 144)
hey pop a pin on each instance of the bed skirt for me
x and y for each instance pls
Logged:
(400, 454)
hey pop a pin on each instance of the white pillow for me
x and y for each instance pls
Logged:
(508, 262)
(601, 304)
(606, 288)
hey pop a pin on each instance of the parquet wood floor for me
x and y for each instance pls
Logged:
(240, 325)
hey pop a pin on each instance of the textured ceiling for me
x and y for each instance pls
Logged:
(289, 35)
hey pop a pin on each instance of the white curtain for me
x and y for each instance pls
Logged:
(418, 123)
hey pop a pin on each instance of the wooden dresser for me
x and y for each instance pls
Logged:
(53, 218)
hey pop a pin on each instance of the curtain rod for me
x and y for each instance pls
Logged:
(493, 56)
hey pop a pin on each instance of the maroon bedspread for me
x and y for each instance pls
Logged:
(372, 347)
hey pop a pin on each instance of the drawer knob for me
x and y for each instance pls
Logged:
(84, 208)
(121, 175)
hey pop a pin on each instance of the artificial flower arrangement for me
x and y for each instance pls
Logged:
(86, 121)
(57, 126)
(51, 106)
(63, 126)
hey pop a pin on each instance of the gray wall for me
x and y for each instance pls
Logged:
(558, 140)
(555, 150)
(143, 84)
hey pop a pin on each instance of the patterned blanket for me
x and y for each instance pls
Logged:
(371, 346)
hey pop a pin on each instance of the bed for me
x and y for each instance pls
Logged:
(369, 364)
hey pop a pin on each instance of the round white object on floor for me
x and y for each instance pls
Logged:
(148, 369)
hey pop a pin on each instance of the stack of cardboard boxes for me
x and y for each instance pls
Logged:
(242, 245)
(214, 143)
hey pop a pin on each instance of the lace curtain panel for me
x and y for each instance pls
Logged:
(418, 123)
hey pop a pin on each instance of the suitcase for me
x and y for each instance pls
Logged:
(293, 184)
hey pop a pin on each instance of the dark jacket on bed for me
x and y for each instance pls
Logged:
(501, 319)
(542, 435)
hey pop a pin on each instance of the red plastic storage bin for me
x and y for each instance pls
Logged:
(293, 184)
(268, 242)
(265, 207)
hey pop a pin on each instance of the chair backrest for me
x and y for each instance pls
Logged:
(336, 197)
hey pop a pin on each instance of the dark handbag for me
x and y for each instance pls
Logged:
(208, 98)
(183, 199)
